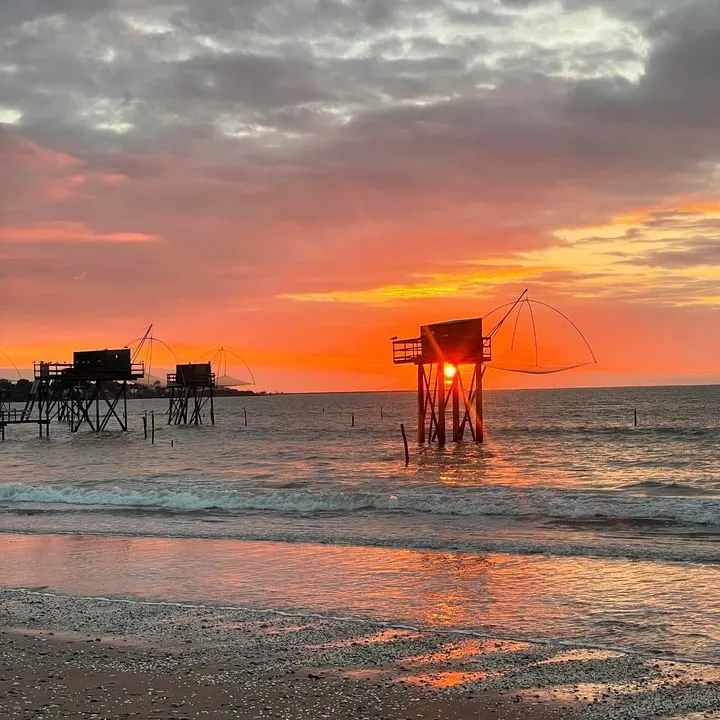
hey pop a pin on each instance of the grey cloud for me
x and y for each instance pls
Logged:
(683, 79)
(249, 80)
(477, 15)
(365, 113)
(16, 13)
(703, 251)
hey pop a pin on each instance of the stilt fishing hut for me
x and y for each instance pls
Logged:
(440, 353)
(444, 351)
(191, 388)
(92, 390)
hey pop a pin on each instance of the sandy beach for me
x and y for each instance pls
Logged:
(66, 657)
(46, 677)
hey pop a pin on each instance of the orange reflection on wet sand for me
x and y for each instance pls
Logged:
(580, 654)
(467, 650)
(489, 594)
(448, 678)
(669, 674)
(378, 638)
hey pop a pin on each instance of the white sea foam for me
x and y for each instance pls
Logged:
(493, 500)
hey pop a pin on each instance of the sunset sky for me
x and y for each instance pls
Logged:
(300, 180)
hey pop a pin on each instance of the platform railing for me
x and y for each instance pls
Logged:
(56, 370)
(411, 351)
(487, 348)
(406, 351)
(43, 370)
(173, 380)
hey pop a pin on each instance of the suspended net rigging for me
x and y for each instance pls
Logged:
(224, 377)
(9, 359)
(144, 350)
(518, 339)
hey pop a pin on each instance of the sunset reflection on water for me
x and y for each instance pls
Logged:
(616, 603)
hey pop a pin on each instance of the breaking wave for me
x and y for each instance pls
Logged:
(490, 500)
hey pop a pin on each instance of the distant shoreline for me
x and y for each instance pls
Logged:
(163, 393)
(20, 391)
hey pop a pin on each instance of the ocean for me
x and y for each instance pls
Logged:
(569, 525)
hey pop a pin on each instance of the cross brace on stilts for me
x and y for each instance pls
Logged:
(437, 392)
(441, 353)
(192, 388)
(107, 405)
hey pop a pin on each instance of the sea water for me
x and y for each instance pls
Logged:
(569, 524)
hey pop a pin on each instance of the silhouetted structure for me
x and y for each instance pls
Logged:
(15, 416)
(191, 388)
(92, 390)
(440, 353)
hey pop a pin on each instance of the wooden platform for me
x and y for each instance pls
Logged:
(15, 417)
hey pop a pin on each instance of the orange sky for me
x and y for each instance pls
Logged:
(301, 184)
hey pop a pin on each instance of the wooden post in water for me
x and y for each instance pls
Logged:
(381, 414)
(145, 424)
(405, 444)
(635, 421)
(245, 414)
(152, 427)
(352, 419)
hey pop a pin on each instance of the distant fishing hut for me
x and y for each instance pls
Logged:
(191, 387)
(441, 352)
(92, 390)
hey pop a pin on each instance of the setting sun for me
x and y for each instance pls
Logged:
(450, 371)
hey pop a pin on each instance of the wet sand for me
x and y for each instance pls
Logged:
(42, 677)
(88, 658)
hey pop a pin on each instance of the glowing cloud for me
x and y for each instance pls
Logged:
(68, 232)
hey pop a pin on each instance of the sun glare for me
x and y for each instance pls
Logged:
(450, 371)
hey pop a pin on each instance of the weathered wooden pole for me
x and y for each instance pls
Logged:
(421, 404)
(152, 427)
(455, 389)
(145, 424)
(405, 444)
(440, 380)
(479, 423)
(125, 417)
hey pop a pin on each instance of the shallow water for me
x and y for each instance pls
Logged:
(654, 608)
